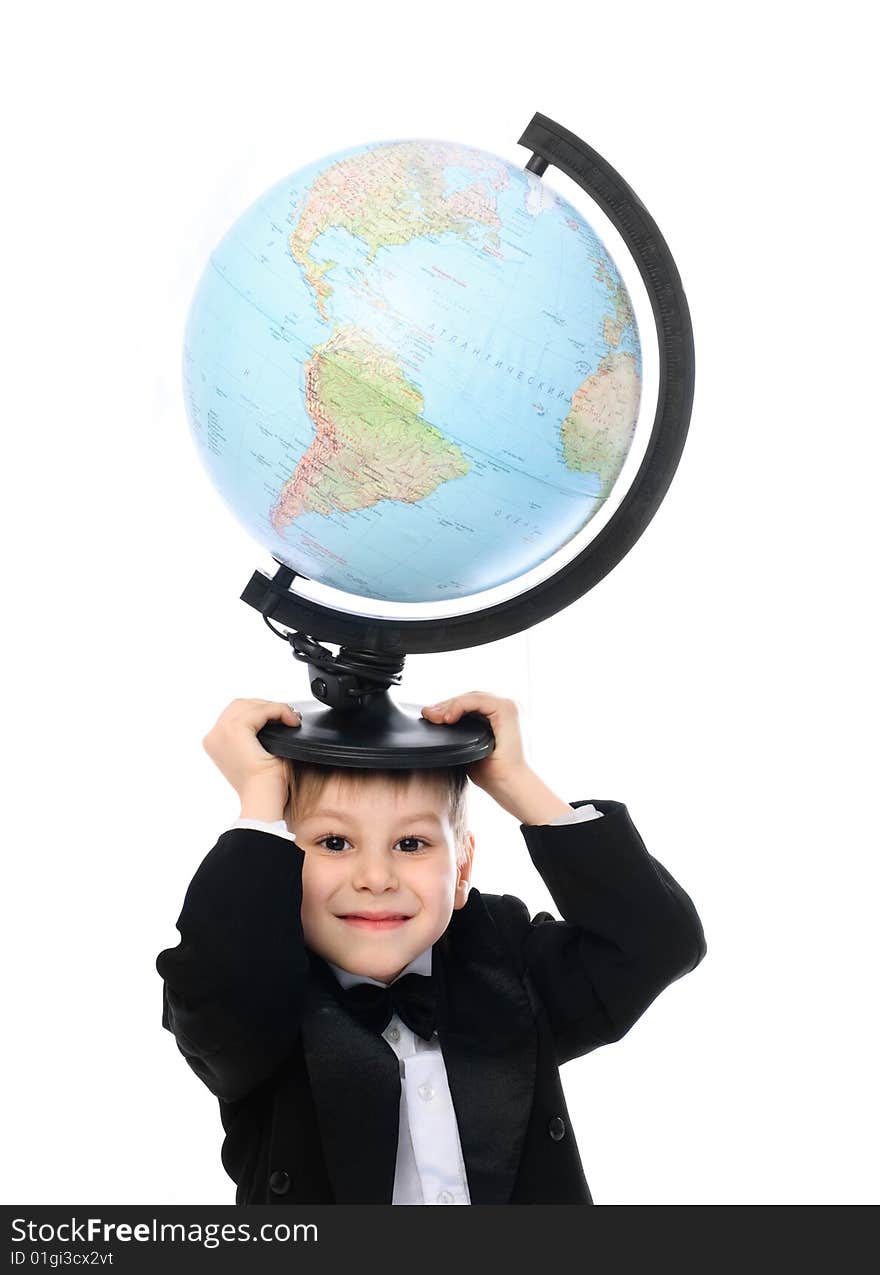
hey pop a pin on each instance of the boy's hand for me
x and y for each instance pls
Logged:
(261, 780)
(507, 760)
(505, 774)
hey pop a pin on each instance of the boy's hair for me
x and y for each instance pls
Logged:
(307, 780)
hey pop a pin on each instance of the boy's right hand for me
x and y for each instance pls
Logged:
(261, 780)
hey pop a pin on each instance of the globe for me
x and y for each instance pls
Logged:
(412, 371)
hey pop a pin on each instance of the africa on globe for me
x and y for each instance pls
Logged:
(412, 371)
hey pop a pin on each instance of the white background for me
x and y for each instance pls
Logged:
(720, 681)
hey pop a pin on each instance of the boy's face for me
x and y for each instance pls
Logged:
(372, 851)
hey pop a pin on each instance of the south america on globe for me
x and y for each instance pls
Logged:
(412, 371)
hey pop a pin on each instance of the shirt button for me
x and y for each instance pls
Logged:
(426, 1093)
(445, 1197)
(394, 1033)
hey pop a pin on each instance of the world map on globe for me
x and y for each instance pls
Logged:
(412, 371)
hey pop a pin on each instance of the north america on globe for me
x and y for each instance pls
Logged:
(413, 371)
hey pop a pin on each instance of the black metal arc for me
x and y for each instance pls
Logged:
(549, 143)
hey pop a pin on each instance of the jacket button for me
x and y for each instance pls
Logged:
(556, 1128)
(279, 1182)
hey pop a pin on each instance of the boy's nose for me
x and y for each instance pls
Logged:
(375, 872)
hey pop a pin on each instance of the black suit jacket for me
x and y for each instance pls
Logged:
(309, 1098)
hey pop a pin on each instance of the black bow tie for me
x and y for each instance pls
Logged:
(412, 997)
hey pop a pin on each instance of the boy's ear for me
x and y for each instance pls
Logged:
(464, 874)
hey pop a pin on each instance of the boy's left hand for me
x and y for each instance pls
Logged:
(505, 774)
(506, 764)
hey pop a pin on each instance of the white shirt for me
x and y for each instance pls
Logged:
(430, 1167)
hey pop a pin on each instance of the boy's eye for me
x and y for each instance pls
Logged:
(322, 841)
(409, 848)
(412, 848)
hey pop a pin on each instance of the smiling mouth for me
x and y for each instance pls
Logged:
(385, 922)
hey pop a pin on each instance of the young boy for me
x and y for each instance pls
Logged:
(376, 1030)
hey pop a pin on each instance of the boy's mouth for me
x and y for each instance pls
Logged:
(375, 920)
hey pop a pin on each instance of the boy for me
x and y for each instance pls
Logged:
(376, 1030)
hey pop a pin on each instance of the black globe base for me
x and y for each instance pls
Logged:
(378, 735)
(354, 722)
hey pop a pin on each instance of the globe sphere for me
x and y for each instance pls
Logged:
(412, 371)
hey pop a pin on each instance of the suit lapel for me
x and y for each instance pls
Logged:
(355, 1080)
(489, 1042)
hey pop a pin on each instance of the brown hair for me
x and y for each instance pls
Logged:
(307, 781)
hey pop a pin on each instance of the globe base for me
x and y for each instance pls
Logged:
(378, 735)
(355, 723)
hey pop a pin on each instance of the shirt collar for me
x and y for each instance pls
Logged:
(420, 964)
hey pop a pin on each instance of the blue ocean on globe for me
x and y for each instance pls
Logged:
(412, 371)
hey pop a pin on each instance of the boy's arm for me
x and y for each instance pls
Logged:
(629, 929)
(234, 985)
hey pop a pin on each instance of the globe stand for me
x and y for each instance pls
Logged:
(356, 723)
(359, 725)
